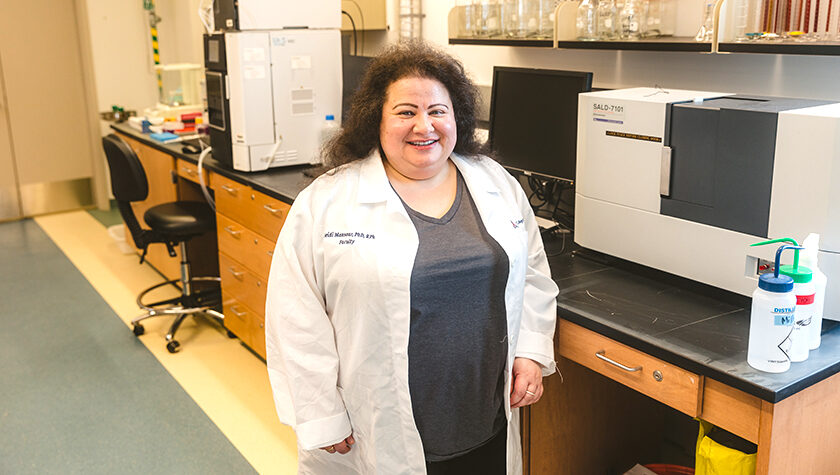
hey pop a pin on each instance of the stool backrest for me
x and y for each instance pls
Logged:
(128, 183)
(128, 178)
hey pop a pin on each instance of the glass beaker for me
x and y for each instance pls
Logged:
(607, 20)
(586, 23)
(545, 18)
(487, 16)
(631, 20)
(514, 18)
(651, 10)
(466, 26)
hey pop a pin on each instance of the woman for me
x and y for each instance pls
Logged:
(410, 308)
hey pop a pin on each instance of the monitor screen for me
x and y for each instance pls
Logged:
(533, 119)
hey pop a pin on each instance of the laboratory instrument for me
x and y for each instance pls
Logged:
(689, 179)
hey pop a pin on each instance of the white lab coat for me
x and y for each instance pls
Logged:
(337, 313)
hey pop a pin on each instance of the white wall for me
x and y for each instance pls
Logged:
(122, 52)
(814, 77)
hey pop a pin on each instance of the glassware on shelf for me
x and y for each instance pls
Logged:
(515, 18)
(630, 18)
(740, 20)
(707, 26)
(545, 18)
(587, 20)
(667, 17)
(651, 26)
(487, 16)
(607, 20)
(466, 24)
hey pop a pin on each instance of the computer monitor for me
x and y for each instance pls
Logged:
(533, 119)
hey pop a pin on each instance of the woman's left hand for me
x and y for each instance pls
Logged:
(526, 387)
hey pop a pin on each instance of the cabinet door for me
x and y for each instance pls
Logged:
(9, 203)
(49, 120)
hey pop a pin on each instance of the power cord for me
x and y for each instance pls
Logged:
(355, 41)
(201, 157)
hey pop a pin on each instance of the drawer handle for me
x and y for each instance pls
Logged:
(271, 210)
(230, 189)
(600, 355)
(270, 253)
(237, 313)
(233, 232)
(189, 171)
(238, 275)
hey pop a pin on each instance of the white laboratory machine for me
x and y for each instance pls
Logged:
(270, 89)
(243, 15)
(685, 181)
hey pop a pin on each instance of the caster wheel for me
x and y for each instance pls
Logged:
(138, 329)
(173, 346)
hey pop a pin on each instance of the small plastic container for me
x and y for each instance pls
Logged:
(771, 320)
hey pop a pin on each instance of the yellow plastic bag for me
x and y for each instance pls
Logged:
(716, 459)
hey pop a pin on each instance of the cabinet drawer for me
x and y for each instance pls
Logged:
(256, 211)
(269, 215)
(245, 323)
(653, 377)
(189, 171)
(242, 284)
(246, 246)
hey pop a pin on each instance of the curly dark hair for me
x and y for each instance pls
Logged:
(359, 134)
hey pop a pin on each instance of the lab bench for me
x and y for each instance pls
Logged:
(635, 347)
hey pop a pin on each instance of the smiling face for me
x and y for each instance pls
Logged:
(417, 131)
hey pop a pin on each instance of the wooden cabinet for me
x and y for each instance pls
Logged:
(598, 418)
(248, 223)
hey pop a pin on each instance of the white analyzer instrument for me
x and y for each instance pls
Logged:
(685, 181)
(269, 94)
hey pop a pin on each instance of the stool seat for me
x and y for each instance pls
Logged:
(181, 218)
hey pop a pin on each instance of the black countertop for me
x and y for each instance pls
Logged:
(283, 183)
(690, 325)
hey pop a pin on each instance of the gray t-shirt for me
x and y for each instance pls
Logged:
(458, 342)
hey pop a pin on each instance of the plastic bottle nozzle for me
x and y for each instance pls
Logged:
(795, 246)
(779, 257)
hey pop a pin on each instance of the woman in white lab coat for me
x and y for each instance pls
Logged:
(410, 308)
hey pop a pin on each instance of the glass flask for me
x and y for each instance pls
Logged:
(630, 19)
(607, 20)
(707, 26)
(587, 20)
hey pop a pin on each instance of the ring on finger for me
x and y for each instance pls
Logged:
(529, 392)
(331, 449)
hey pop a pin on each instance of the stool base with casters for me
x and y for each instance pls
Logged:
(190, 302)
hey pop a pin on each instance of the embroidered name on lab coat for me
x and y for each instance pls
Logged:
(348, 237)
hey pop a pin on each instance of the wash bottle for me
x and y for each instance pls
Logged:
(803, 288)
(771, 320)
(809, 259)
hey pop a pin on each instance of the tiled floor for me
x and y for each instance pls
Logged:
(225, 379)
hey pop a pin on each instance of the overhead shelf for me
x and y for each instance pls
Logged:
(820, 48)
(651, 44)
(546, 43)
